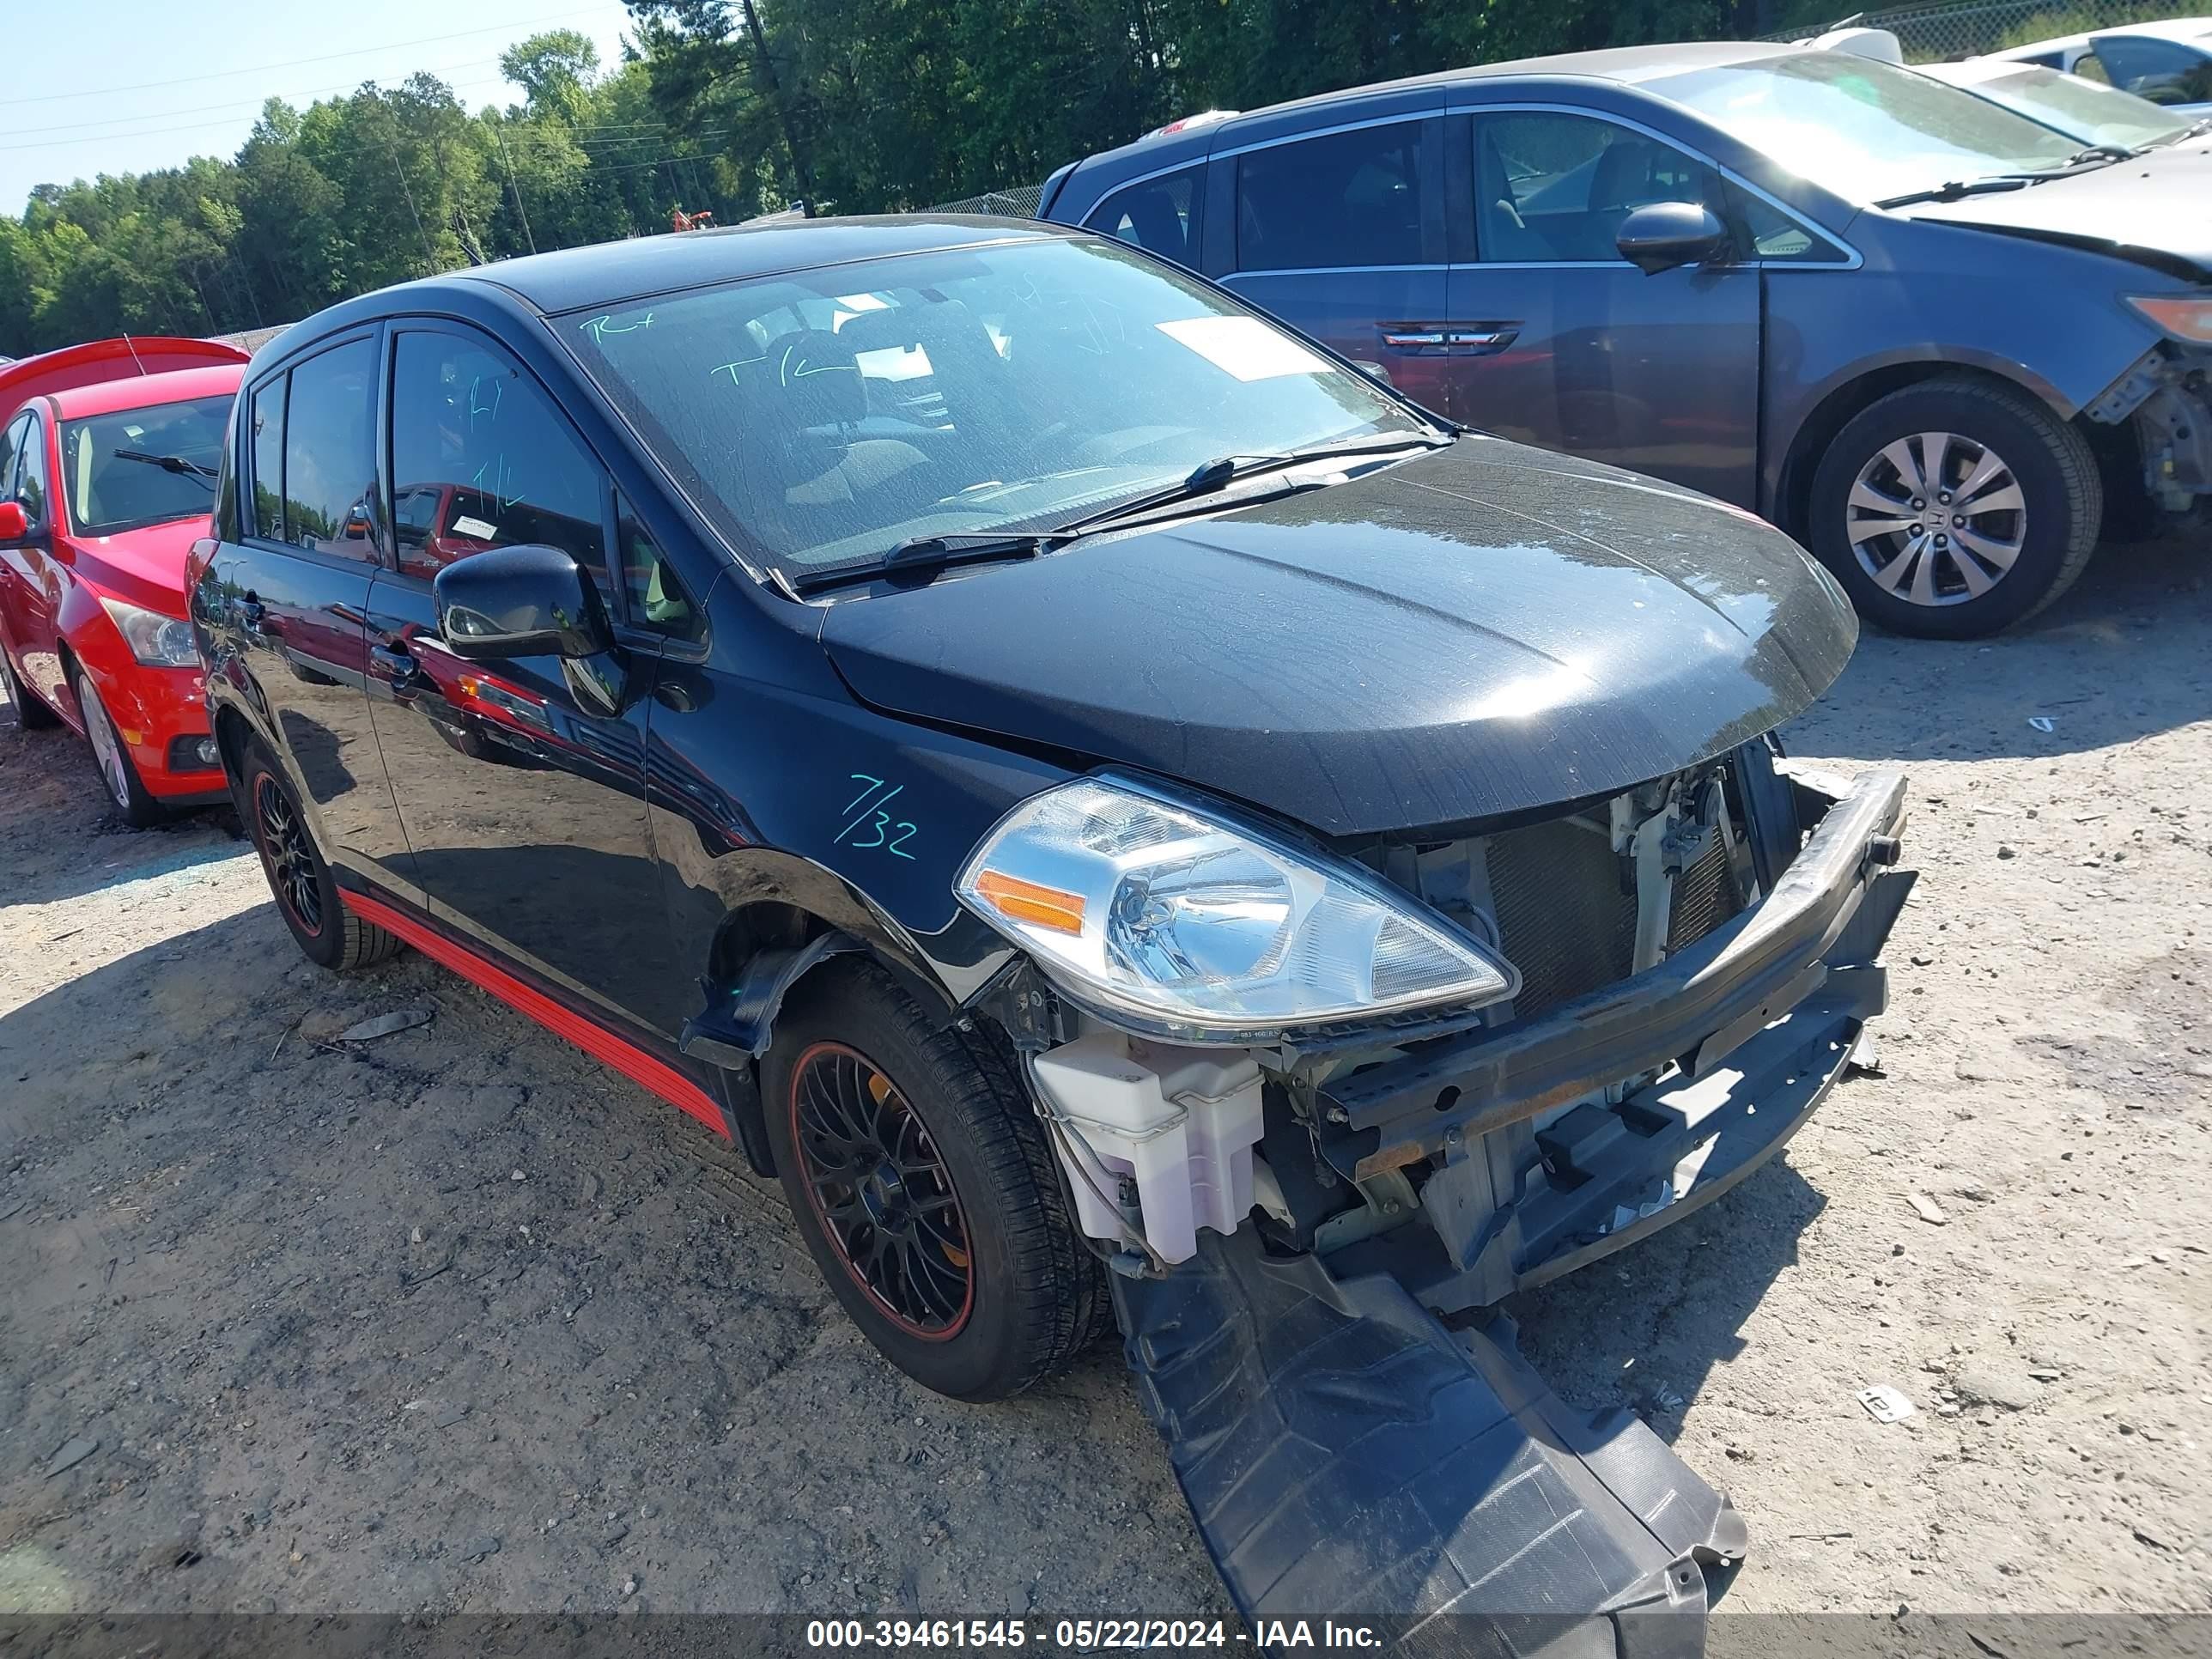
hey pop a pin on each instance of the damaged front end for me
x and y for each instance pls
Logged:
(2164, 403)
(1688, 966)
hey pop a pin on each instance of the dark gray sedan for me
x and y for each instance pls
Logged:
(1944, 346)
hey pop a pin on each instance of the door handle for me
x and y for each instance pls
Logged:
(396, 666)
(1482, 340)
(1411, 336)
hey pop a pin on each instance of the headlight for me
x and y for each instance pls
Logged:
(157, 641)
(1141, 905)
(2179, 314)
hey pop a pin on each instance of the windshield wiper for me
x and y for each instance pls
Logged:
(1210, 476)
(927, 555)
(1956, 189)
(168, 463)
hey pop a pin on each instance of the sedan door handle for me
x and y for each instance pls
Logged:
(1411, 336)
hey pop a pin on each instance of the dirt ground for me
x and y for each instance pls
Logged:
(463, 1321)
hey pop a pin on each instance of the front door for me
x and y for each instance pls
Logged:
(520, 784)
(1565, 344)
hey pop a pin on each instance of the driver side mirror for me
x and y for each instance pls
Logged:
(1661, 235)
(523, 601)
(14, 527)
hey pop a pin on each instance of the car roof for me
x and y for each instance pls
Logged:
(1625, 64)
(610, 273)
(144, 391)
(2165, 28)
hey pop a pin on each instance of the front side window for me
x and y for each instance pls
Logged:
(658, 600)
(481, 459)
(330, 454)
(1345, 198)
(2163, 72)
(143, 466)
(1864, 130)
(31, 472)
(821, 418)
(1557, 187)
(1158, 215)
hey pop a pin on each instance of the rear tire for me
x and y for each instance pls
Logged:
(111, 758)
(876, 1114)
(30, 714)
(328, 934)
(1953, 509)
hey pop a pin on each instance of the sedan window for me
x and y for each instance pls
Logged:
(1866, 130)
(823, 417)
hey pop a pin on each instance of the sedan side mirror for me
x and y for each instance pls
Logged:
(519, 602)
(1664, 234)
(14, 527)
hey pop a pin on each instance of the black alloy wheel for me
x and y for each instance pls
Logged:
(290, 860)
(881, 1191)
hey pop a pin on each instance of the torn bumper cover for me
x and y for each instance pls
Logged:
(1748, 1028)
(1343, 1454)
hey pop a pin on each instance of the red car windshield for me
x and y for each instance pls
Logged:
(141, 466)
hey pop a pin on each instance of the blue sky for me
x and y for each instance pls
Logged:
(123, 86)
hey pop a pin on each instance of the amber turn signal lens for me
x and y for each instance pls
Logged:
(2181, 315)
(1027, 901)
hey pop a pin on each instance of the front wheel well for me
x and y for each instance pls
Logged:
(1793, 488)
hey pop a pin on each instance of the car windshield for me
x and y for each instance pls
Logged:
(825, 417)
(141, 466)
(2095, 114)
(1867, 130)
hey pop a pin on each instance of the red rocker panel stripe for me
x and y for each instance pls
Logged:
(594, 1039)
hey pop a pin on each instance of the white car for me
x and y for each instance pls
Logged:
(2168, 62)
(2074, 104)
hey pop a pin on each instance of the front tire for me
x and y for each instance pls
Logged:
(328, 934)
(30, 714)
(1953, 508)
(923, 1187)
(118, 777)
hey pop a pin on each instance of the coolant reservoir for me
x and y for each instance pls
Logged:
(1180, 1122)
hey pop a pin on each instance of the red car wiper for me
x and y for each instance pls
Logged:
(176, 464)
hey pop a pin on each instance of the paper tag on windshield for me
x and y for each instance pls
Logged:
(475, 528)
(1244, 347)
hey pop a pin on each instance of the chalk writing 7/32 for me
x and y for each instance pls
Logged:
(866, 814)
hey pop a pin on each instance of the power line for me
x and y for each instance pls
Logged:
(323, 58)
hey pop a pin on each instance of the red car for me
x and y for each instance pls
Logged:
(108, 472)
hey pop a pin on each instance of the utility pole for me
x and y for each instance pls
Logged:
(500, 137)
(801, 173)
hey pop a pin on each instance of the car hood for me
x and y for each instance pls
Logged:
(1472, 632)
(2155, 211)
(145, 566)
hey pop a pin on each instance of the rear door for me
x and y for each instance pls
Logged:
(520, 784)
(296, 588)
(1562, 343)
(1338, 228)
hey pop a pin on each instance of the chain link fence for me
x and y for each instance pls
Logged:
(1939, 34)
(1019, 202)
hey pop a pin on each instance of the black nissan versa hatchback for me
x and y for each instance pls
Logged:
(1111, 805)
